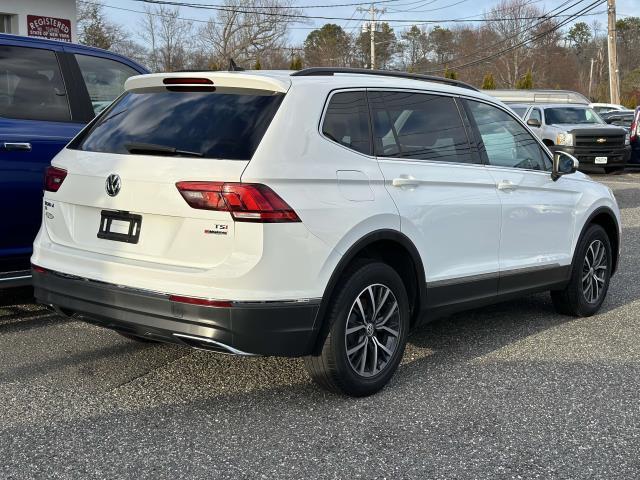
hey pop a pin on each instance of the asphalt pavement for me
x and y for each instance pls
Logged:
(509, 391)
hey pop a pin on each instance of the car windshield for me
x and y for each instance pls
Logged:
(183, 123)
(571, 115)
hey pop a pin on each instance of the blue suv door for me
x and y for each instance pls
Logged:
(48, 92)
(35, 123)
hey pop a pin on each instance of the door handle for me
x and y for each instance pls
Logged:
(405, 181)
(506, 186)
(17, 146)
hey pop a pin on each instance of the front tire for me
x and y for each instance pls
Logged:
(369, 318)
(590, 276)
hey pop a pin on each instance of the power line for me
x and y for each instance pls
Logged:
(318, 17)
(521, 44)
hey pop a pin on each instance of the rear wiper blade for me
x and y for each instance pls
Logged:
(152, 148)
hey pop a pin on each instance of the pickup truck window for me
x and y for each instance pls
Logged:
(536, 115)
(571, 115)
(31, 85)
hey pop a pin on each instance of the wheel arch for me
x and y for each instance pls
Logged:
(395, 249)
(605, 217)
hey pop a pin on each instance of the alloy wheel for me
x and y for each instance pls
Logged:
(594, 271)
(373, 330)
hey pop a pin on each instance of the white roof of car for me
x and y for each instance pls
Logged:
(281, 81)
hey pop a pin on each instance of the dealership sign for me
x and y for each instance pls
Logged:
(49, 27)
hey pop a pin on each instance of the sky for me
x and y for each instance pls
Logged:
(398, 11)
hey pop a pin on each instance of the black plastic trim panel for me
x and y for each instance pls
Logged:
(259, 328)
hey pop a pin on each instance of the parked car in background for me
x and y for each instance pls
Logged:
(578, 130)
(321, 213)
(48, 91)
(619, 118)
(608, 107)
(635, 138)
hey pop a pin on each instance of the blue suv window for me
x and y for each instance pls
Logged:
(31, 85)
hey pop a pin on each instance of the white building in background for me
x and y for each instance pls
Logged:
(54, 19)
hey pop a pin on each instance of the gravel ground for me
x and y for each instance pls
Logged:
(509, 391)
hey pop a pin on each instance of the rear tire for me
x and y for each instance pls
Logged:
(590, 276)
(369, 318)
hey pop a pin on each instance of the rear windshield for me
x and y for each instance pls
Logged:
(571, 115)
(184, 123)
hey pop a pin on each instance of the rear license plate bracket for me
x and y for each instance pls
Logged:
(120, 226)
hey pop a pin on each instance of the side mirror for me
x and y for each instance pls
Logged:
(563, 164)
(534, 122)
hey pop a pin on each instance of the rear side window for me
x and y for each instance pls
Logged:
(104, 79)
(419, 126)
(31, 85)
(347, 121)
(183, 123)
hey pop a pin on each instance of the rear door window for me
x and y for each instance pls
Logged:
(183, 123)
(104, 79)
(347, 121)
(31, 85)
(419, 126)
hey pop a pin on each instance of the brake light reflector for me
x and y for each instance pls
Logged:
(53, 178)
(38, 269)
(247, 202)
(201, 301)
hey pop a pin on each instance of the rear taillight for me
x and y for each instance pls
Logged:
(53, 178)
(247, 202)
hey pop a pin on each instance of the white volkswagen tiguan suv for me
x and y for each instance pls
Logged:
(322, 213)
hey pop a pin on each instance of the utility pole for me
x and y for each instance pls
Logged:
(590, 78)
(614, 87)
(372, 10)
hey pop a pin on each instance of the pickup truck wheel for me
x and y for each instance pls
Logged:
(590, 276)
(369, 318)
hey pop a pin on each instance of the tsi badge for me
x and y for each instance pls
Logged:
(217, 229)
(113, 184)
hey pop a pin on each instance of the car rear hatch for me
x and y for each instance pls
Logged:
(144, 181)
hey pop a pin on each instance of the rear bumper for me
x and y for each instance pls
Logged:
(268, 328)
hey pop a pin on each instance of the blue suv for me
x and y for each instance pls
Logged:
(48, 91)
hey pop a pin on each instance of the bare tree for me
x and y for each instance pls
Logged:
(169, 38)
(513, 21)
(247, 31)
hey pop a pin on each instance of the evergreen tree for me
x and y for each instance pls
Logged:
(525, 82)
(488, 83)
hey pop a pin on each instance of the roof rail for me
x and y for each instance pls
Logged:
(328, 71)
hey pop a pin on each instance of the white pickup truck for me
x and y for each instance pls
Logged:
(578, 130)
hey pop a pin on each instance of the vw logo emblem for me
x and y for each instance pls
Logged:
(112, 185)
